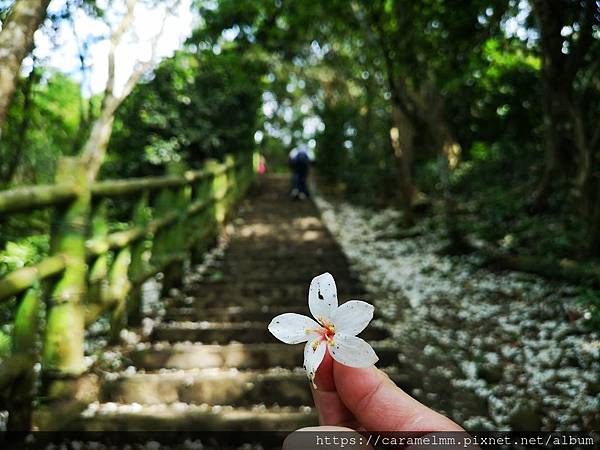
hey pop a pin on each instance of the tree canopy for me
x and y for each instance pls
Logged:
(486, 110)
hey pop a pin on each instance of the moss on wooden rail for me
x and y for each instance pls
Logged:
(119, 188)
(24, 278)
(91, 272)
(44, 196)
(120, 239)
(35, 197)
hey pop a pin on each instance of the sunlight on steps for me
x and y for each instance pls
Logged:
(210, 362)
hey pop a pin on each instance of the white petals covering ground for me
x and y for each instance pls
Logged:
(491, 349)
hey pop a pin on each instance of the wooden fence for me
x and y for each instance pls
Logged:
(91, 271)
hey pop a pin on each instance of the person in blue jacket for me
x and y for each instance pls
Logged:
(300, 159)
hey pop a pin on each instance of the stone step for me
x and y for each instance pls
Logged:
(284, 387)
(285, 241)
(212, 386)
(304, 222)
(241, 356)
(288, 302)
(226, 332)
(207, 300)
(315, 253)
(257, 233)
(228, 294)
(287, 258)
(279, 269)
(270, 277)
(232, 313)
(184, 417)
(254, 229)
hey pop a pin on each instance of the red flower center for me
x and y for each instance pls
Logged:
(328, 332)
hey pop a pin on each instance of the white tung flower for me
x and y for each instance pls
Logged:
(336, 329)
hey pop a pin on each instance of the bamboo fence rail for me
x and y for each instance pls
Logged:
(91, 271)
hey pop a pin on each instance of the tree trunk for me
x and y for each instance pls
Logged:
(557, 143)
(19, 149)
(449, 152)
(583, 180)
(404, 119)
(16, 41)
(557, 91)
(402, 136)
(96, 146)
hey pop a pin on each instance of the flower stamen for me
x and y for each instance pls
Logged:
(327, 333)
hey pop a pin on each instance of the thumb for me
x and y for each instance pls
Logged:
(379, 405)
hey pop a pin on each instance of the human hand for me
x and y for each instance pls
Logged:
(366, 399)
(349, 399)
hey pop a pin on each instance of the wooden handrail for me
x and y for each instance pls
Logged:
(35, 197)
(120, 239)
(90, 271)
(28, 198)
(24, 278)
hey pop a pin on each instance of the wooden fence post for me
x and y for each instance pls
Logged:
(232, 184)
(175, 237)
(202, 225)
(119, 286)
(219, 189)
(161, 242)
(174, 271)
(98, 271)
(26, 343)
(64, 336)
(72, 289)
(137, 267)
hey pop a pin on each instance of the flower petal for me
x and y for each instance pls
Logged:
(352, 351)
(293, 328)
(322, 297)
(314, 352)
(352, 317)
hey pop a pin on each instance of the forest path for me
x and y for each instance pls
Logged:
(211, 363)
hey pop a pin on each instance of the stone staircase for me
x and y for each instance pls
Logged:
(211, 364)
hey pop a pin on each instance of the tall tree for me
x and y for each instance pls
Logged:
(564, 61)
(95, 148)
(23, 126)
(16, 41)
(420, 86)
(570, 53)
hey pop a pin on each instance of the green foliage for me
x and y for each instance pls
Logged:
(334, 146)
(38, 134)
(353, 150)
(197, 106)
(24, 252)
(499, 99)
(323, 74)
(5, 345)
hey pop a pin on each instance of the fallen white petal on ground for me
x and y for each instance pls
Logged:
(515, 343)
